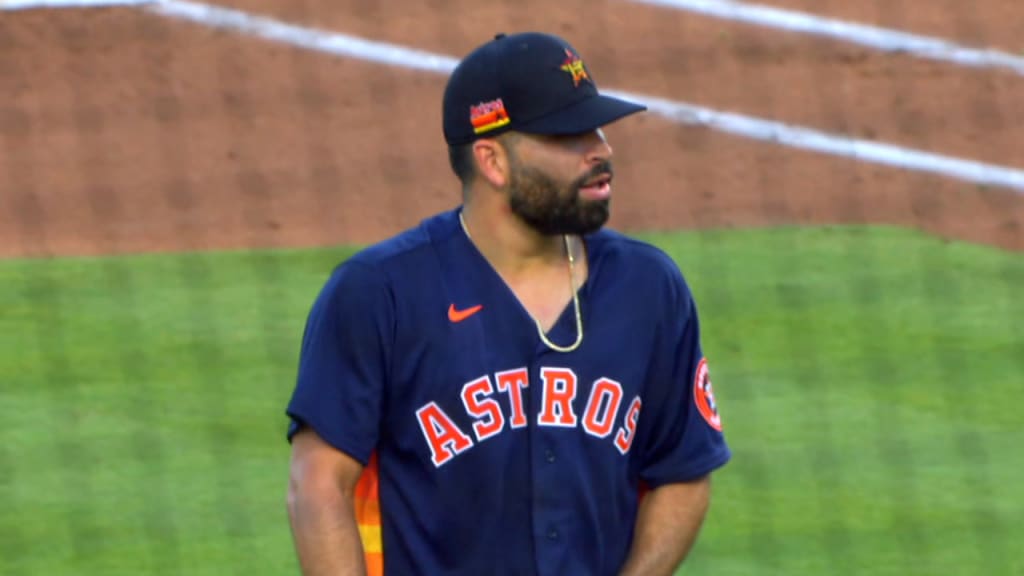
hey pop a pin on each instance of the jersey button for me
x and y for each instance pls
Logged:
(549, 455)
(552, 534)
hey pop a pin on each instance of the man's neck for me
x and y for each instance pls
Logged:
(510, 244)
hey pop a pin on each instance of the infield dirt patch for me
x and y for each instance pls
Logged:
(123, 132)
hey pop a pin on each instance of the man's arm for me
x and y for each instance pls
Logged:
(320, 508)
(667, 524)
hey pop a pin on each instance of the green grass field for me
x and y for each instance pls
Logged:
(870, 382)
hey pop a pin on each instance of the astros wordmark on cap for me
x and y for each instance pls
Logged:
(530, 82)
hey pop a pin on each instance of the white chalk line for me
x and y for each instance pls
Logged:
(882, 39)
(11, 5)
(302, 37)
(736, 124)
(817, 141)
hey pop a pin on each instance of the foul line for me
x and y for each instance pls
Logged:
(817, 141)
(878, 38)
(301, 37)
(737, 124)
(680, 112)
(12, 5)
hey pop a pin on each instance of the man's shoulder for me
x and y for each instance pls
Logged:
(637, 254)
(649, 269)
(400, 255)
(397, 250)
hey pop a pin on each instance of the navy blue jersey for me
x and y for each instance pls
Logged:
(486, 451)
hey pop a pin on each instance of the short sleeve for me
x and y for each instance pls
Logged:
(344, 359)
(679, 425)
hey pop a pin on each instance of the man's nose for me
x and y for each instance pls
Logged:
(598, 148)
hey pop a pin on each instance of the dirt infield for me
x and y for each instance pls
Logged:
(121, 131)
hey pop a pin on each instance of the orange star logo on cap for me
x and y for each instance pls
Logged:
(574, 66)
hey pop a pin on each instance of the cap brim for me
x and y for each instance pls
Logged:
(583, 116)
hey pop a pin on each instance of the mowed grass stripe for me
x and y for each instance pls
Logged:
(868, 380)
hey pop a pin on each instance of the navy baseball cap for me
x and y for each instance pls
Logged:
(530, 82)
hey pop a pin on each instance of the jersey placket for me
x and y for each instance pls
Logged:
(553, 514)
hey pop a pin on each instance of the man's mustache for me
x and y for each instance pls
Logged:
(604, 167)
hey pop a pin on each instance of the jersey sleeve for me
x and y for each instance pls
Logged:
(343, 361)
(679, 426)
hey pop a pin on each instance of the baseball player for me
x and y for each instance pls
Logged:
(509, 388)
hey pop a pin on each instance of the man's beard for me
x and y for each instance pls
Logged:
(552, 208)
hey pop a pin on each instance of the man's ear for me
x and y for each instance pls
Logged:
(492, 161)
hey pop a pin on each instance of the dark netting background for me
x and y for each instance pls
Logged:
(176, 181)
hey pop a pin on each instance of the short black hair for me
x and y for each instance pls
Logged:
(460, 156)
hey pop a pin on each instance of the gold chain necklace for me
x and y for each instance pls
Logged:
(575, 298)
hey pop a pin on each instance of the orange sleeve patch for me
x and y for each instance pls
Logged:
(366, 502)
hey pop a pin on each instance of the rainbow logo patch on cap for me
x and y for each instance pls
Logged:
(488, 116)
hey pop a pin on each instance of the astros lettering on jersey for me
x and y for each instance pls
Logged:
(486, 452)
